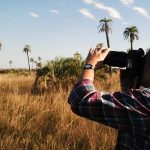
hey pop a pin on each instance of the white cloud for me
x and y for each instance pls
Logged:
(112, 11)
(55, 11)
(89, 1)
(127, 2)
(99, 5)
(142, 12)
(87, 13)
(34, 15)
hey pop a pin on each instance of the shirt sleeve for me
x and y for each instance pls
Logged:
(124, 111)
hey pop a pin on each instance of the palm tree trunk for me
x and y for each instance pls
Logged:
(28, 60)
(131, 45)
(108, 45)
(107, 38)
(131, 41)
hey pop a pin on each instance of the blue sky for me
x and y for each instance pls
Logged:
(62, 27)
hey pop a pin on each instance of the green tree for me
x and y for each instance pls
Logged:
(32, 61)
(131, 33)
(105, 26)
(27, 49)
(10, 63)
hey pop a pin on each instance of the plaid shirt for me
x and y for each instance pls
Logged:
(128, 112)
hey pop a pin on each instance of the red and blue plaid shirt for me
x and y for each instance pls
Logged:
(128, 112)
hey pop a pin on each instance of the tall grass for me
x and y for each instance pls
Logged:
(45, 122)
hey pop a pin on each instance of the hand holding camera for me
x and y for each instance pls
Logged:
(131, 62)
(96, 56)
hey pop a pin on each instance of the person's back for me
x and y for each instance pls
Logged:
(128, 112)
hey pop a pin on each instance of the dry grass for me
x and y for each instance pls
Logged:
(45, 122)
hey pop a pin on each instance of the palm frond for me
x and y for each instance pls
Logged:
(105, 25)
(131, 32)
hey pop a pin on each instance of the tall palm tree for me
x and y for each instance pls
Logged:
(32, 60)
(105, 26)
(27, 49)
(131, 33)
(39, 64)
(10, 63)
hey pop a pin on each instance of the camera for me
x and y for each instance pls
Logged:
(132, 62)
(132, 59)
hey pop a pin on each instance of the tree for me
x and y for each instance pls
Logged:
(131, 33)
(27, 49)
(32, 60)
(10, 63)
(78, 56)
(105, 26)
(39, 59)
(39, 65)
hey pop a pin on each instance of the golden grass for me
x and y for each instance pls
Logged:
(45, 122)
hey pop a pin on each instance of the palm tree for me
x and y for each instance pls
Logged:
(131, 33)
(39, 59)
(27, 49)
(39, 64)
(32, 60)
(10, 63)
(105, 26)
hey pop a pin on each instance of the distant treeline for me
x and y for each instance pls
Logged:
(17, 71)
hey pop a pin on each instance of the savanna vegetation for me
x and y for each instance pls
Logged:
(44, 121)
(34, 112)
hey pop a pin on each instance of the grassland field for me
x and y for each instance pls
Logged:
(44, 121)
